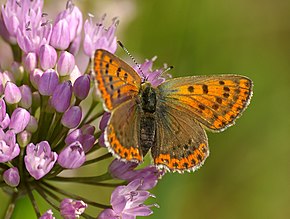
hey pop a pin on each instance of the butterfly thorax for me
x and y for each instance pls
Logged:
(148, 98)
(147, 129)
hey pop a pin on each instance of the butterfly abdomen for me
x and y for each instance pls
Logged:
(147, 132)
(147, 121)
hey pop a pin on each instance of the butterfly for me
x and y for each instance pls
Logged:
(169, 119)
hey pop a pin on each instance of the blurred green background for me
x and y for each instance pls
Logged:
(247, 174)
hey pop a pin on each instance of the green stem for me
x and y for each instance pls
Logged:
(54, 172)
(21, 162)
(11, 206)
(85, 180)
(92, 107)
(31, 197)
(103, 157)
(96, 116)
(73, 196)
(57, 139)
(54, 128)
(17, 54)
(41, 129)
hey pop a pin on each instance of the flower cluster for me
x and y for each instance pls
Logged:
(44, 126)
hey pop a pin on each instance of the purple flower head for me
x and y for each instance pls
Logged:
(72, 156)
(98, 37)
(70, 208)
(154, 77)
(65, 63)
(11, 177)
(48, 82)
(81, 87)
(61, 96)
(12, 93)
(9, 149)
(85, 136)
(128, 202)
(4, 117)
(47, 56)
(47, 215)
(19, 120)
(39, 159)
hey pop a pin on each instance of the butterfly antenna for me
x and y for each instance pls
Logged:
(133, 59)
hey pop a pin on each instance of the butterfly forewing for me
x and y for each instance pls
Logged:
(116, 80)
(181, 141)
(121, 134)
(214, 101)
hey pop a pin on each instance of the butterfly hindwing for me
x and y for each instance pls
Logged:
(182, 143)
(116, 80)
(121, 134)
(215, 101)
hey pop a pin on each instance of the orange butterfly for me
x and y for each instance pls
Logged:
(169, 118)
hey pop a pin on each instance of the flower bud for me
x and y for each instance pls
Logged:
(12, 93)
(30, 61)
(48, 82)
(72, 156)
(65, 63)
(23, 138)
(88, 129)
(61, 96)
(35, 76)
(17, 71)
(26, 99)
(47, 56)
(72, 117)
(19, 120)
(32, 125)
(11, 177)
(81, 87)
(60, 36)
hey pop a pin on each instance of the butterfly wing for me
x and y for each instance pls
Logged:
(121, 134)
(181, 141)
(214, 101)
(116, 80)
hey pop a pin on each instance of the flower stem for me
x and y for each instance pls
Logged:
(85, 180)
(97, 115)
(31, 197)
(103, 157)
(17, 54)
(92, 107)
(73, 196)
(11, 206)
